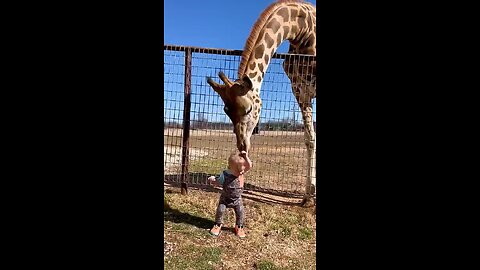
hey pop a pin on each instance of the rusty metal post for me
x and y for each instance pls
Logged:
(186, 119)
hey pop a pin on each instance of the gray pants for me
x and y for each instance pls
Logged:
(237, 206)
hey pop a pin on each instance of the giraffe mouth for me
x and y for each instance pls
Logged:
(243, 146)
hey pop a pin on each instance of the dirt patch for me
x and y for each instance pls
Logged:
(173, 156)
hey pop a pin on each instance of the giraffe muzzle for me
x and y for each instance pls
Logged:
(243, 145)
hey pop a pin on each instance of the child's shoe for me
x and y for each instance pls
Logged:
(216, 229)
(239, 231)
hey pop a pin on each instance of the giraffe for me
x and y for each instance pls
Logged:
(290, 20)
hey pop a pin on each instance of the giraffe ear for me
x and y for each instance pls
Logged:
(247, 82)
(242, 86)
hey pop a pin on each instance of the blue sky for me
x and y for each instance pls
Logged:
(217, 24)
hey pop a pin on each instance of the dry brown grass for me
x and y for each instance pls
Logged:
(279, 235)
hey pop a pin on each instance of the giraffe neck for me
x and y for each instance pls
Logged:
(288, 20)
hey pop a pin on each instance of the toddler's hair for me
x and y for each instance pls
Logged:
(237, 160)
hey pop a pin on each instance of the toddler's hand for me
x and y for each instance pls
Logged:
(211, 180)
(243, 153)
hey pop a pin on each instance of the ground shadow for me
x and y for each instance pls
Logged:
(176, 216)
(262, 199)
(272, 191)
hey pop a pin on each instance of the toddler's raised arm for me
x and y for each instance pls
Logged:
(249, 164)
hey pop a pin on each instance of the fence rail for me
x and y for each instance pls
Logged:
(228, 52)
(198, 135)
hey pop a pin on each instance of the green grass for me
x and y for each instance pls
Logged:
(305, 233)
(266, 265)
(283, 224)
(208, 166)
(283, 229)
(185, 230)
(193, 257)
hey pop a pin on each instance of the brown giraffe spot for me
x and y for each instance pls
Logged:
(301, 13)
(257, 100)
(260, 66)
(266, 58)
(269, 40)
(283, 12)
(294, 14)
(259, 79)
(252, 75)
(301, 23)
(294, 29)
(285, 31)
(259, 51)
(252, 65)
(274, 25)
(279, 39)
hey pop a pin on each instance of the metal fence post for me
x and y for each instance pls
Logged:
(186, 120)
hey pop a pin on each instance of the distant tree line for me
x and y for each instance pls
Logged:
(271, 125)
(281, 125)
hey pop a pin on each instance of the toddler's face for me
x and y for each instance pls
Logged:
(242, 166)
(238, 165)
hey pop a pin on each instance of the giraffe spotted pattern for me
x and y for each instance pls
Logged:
(290, 20)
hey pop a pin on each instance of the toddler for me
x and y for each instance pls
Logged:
(232, 181)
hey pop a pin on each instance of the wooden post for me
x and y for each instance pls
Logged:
(186, 120)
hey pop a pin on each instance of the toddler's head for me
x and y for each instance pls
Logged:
(236, 162)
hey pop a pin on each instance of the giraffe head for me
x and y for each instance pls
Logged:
(239, 106)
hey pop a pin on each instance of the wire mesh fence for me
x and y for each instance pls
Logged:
(198, 136)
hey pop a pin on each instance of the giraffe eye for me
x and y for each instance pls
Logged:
(225, 109)
(249, 110)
